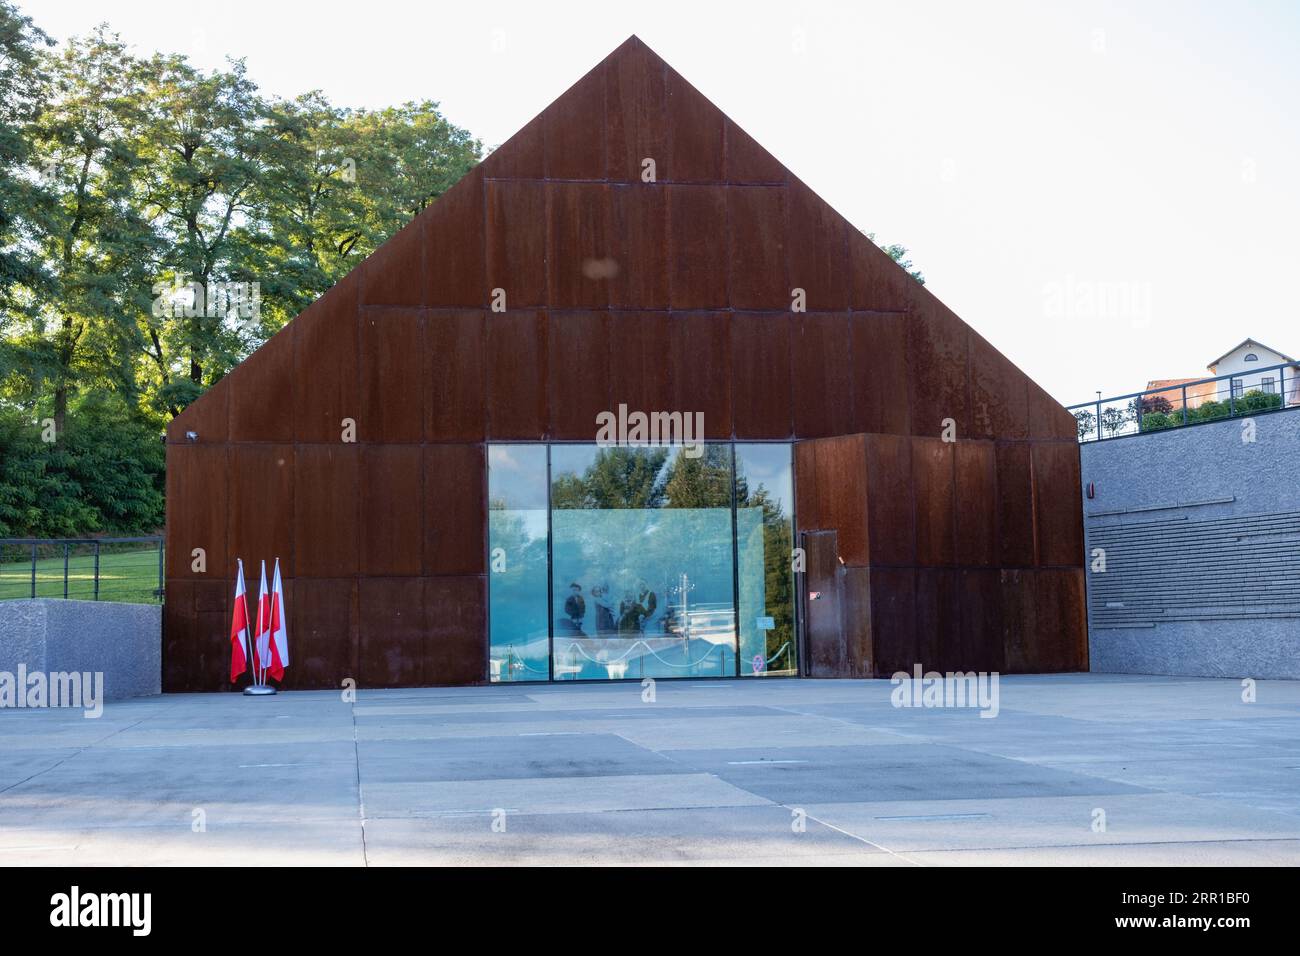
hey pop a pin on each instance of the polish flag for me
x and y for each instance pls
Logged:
(239, 629)
(262, 638)
(279, 628)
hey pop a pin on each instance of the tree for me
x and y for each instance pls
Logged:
(23, 88)
(899, 254)
(91, 240)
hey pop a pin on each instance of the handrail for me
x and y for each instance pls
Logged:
(1128, 414)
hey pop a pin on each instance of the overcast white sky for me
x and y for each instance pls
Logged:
(1109, 192)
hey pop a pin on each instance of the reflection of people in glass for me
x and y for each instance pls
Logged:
(604, 613)
(635, 611)
(575, 609)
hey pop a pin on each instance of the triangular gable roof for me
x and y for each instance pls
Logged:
(559, 217)
(1242, 344)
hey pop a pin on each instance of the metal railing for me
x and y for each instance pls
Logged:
(128, 570)
(1269, 389)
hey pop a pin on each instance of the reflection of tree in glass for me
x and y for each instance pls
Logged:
(778, 542)
(703, 482)
(618, 478)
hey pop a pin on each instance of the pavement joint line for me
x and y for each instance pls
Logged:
(361, 799)
(76, 753)
(1106, 843)
(854, 836)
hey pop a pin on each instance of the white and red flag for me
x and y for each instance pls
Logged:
(279, 628)
(262, 633)
(239, 629)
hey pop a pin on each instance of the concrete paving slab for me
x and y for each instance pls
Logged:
(626, 838)
(1052, 821)
(708, 773)
(554, 795)
(798, 776)
(576, 755)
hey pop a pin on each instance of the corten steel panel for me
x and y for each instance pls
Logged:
(519, 157)
(893, 619)
(455, 269)
(455, 518)
(574, 130)
(695, 136)
(196, 636)
(262, 392)
(999, 394)
(197, 510)
(394, 273)
(322, 632)
(1015, 510)
(701, 346)
(697, 258)
(517, 406)
(641, 366)
(748, 162)
(455, 643)
(578, 352)
(855, 595)
(261, 508)
(1020, 633)
(1057, 504)
(1047, 419)
(1060, 643)
(208, 417)
(325, 355)
(455, 375)
(326, 509)
(981, 621)
(392, 371)
(891, 523)
(636, 118)
(579, 248)
(975, 463)
(638, 246)
(938, 618)
(876, 282)
(938, 371)
(822, 374)
(391, 627)
(841, 483)
(391, 490)
(879, 348)
(760, 375)
(756, 223)
(516, 241)
(817, 248)
(933, 487)
(806, 511)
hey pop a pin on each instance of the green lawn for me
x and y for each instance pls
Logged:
(126, 576)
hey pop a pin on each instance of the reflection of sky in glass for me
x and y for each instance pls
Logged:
(768, 466)
(518, 477)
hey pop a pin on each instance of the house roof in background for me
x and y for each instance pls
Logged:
(1248, 342)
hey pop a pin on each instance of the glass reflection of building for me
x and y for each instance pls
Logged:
(611, 562)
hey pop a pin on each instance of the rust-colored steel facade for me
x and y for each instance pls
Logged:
(955, 554)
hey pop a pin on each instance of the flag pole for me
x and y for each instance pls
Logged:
(258, 688)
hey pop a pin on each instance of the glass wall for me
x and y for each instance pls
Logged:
(665, 561)
(764, 547)
(519, 637)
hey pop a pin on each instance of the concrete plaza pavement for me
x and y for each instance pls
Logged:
(1180, 770)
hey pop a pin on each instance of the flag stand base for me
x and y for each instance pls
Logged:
(258, 690)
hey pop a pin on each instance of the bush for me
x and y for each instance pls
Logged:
(1257, 401)
(104, 474)
(1155, 421)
